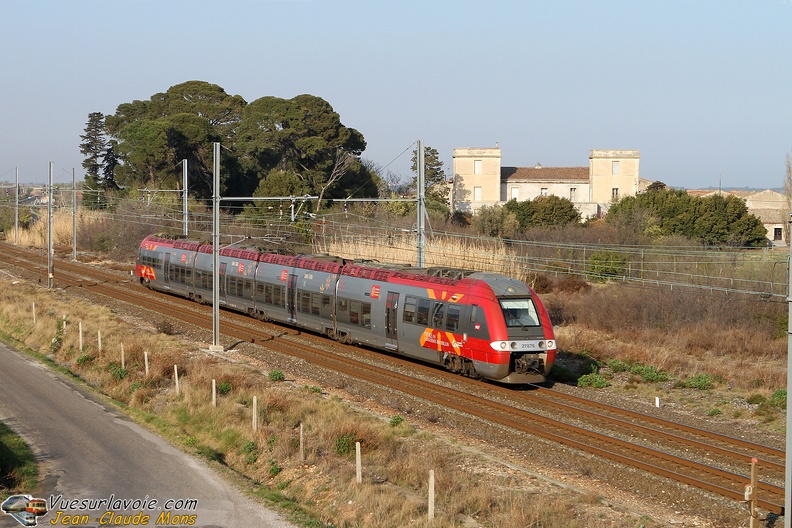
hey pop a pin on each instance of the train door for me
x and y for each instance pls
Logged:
(166, 268)
(291, 296)
(222, 279)
(391, 319)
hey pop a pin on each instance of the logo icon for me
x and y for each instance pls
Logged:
(24, 508)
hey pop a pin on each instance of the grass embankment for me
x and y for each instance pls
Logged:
(317, 491)
(18, 467)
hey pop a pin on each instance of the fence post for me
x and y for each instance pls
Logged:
(81, 342)
(431, 495)
(176, 377)
(214, 393)
(255, 414)
(145, 360)
(34, 313)
(358, 468)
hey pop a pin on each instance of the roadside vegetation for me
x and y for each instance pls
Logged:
(316, 487)
(18, 466)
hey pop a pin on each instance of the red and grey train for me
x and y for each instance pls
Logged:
(482, 325)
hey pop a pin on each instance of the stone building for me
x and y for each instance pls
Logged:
(480, 180)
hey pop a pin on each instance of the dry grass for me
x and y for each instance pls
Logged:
(396, 458)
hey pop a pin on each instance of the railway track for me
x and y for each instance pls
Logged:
(695, 457)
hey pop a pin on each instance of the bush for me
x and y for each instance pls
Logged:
(85, 358)
(604, 265)
(224, 388)
(779, 398)
(396, 420)
(700, 382)
(594, 380)
(345, 443)
(116, 371)
(276, 375)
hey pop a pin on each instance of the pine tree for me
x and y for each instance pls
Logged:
(93, 147)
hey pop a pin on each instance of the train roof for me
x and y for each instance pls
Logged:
(366, 269)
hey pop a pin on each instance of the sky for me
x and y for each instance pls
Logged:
(702, 88)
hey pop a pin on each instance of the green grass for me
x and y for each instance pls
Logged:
(18, 467)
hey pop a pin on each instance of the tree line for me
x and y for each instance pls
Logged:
(270, 146)
(658, 212)
(275, 147)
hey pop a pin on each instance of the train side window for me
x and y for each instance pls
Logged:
(354, 312)
(422, 315)
(365, 313)
(452, 319)
(305, 302)
(438, 314)
(268, 293)
(343, 305)
(409, 309)
(316, 303)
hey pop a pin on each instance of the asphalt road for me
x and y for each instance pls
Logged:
(88, 451)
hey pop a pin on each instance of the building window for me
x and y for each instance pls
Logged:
(476, 166)
(778, 234)
(515, 193)
(543, 191)
(572, 194)
(615, 193)
(476, 194)
(614, 168)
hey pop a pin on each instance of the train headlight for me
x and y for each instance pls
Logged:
(514, 345)
(503, 345)
(551, 344)
(542, 345)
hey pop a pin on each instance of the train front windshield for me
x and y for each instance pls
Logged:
(519, 312)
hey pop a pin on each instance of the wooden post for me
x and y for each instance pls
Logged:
(34, 313)
(176, 377)
(750, 494)
(145, 360)
(358, 468)
(255, 413)
(214, 393)
(80, 327)
(99, 341)
(431, 495)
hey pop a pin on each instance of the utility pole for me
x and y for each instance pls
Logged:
(216, 346)
(50, 250)
(788, 464)
(184, 195)
(421, 202)
(74, 217)
(16, 211)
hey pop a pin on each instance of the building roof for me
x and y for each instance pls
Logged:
(539, 173)
(769, 216)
